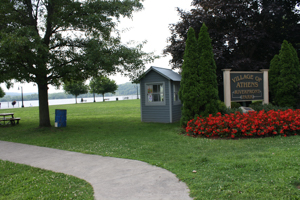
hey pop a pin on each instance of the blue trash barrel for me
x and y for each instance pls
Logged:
(60, 118)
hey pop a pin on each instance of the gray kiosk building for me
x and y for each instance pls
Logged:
(159, 89)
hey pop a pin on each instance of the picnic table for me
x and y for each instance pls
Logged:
(9, 117)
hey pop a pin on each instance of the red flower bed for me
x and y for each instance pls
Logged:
(251, 124)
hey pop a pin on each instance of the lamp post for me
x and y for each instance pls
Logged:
(22, 95)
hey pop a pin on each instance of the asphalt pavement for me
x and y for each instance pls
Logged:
(111, 178)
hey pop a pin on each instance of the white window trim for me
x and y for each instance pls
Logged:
(160, 103)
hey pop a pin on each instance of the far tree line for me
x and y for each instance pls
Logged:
(123, 89)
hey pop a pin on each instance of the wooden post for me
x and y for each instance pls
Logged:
(266, 85)
(226, 81)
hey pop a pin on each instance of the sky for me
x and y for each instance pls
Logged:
(150, 24)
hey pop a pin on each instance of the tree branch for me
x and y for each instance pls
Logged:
(30, 12)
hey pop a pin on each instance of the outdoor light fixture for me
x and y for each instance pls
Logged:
(137, 91)
(22, 95)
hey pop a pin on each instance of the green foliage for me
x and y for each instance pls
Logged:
(267, 107)
(274, 74)
(102, 85)
(50, 42)
(256, 103)
(2, 93)
(190, 83)
(285, 88)
(235, 104)
(208, 100)
(246, 34)
(198, 88)
(75, 88)
(224, 110)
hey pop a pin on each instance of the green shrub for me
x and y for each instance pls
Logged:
(267, 107)
(235, 105)
(224, 110)
(256, 103)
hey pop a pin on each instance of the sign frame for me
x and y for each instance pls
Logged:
(245, 85)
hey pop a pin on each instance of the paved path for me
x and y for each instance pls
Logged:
(111, 178)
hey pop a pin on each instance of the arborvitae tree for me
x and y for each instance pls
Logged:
(207, 73)
(189, 86)
(287, 88)
(274, 74)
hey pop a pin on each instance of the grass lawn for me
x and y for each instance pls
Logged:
(24, 182)
(266, 168)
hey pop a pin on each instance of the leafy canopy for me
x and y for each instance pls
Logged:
(75, 88)
(54, 41)
(102, 85)
(246, 34)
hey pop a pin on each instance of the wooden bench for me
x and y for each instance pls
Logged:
(11, 120)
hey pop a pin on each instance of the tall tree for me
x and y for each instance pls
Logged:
(207, 74)
(75, 88)
(245, 34)
(274, 74)
(2, 93)
(189, 86)
(53, 41)
(289, 78)
(102, 85)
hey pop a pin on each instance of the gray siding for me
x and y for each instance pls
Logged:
(155, 113)
(176, 108)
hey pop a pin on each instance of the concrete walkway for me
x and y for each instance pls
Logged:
(111, 178)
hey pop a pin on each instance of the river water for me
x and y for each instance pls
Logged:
(5, 105)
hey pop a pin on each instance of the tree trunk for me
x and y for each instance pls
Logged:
(103, 97)
(75, 98)
(43, 105)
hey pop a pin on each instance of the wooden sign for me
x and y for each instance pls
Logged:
(246, 86)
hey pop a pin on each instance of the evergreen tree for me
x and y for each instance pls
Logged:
(189, 86)
(274, 74)
(207, 73)
(287, 88)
